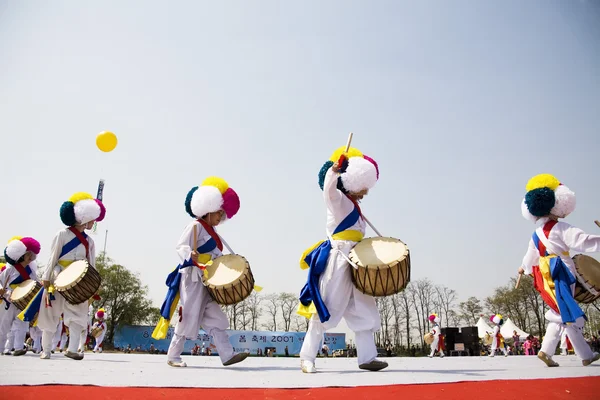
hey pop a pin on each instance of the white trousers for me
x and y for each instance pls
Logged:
(10, 324)
(343, 300)
(74, 316)
(99, 341)
(433, 346)
(36, 335)
(198, 309)
(495, 347)
(574, 331)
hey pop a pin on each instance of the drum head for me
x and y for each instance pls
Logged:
(226, 269)
(71, 274)
(22, 290)
(379, 251)
(589, 269)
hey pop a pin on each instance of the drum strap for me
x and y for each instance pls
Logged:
(83, 241)
(213, 234)
(23, 272)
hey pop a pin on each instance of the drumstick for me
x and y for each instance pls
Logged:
(371, 225)
(349, 142)
(226, 245)
(597, 222)
(518, 281)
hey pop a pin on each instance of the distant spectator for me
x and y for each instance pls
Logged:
(287, 352)
(152, 348)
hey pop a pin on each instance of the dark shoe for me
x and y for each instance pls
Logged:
(19, 352)
(588, 362)
(548, 360)
(236, 359)
(74, 356)
(374, 365)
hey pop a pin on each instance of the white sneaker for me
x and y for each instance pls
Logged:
(45, 356)
(308, 367)
(181, 364)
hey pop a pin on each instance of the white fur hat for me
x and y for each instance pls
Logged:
(81, 208)
(213, 195)
(547, 196)
(358, 171)
(18, 246)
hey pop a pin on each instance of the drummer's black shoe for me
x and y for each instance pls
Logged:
(19, 352)
(74, 356)
(236, 359)
(374, 365)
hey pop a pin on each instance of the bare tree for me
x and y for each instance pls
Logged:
(254, 309)
(405, 303)
(384, 306)
(445, 299)
(271, 309)
(300, 324)
(288, 303)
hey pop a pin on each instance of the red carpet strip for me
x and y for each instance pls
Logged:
(548, 389)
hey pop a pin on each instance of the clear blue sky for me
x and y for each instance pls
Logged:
(460, 103)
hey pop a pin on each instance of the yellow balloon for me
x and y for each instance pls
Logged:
(106, 141)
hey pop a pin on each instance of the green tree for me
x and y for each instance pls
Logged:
(124, 297)
(470, 310)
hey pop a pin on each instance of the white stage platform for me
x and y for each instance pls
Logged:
(145, 370)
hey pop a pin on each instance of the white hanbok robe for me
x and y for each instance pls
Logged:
(9, 321)
(197, 307)
(75, 316)
(563, 238)
(341, 297)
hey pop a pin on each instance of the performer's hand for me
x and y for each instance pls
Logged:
(336, 167)
(521, 271)
(194, 255)
(47, 284)
(2, 291)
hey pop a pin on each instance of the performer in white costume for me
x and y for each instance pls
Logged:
(100, 323)
(438, 338)
(57, 335)
(20, 254)
(565, 343)
(84, 335)
(497, 338)
(36, 335)
(329, 294)
(210, 204)
(69, 245)
(549, 261)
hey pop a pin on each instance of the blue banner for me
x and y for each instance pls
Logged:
(250, 341)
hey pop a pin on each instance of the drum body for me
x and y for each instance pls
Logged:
(78, 282)
(428, 338)
(230, 279)
(96, 332)
(383, 266)
(589, 269)
(24, 293)
(487, 339)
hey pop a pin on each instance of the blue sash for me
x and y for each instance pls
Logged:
(174, 279)
(71, 245)
(317, 261)
(19, 279)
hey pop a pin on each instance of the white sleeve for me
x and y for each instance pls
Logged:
(578, 240)
(4, 278)
(184, 246)
(55, 249)
(532, 258)
(337, 203)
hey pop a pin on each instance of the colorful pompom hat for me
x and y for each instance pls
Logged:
(358, 171)
(497, 319)
(547, 196)
(434, 318)
(100, 313)
(212, 195)
(82, 208)
(18, 246)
